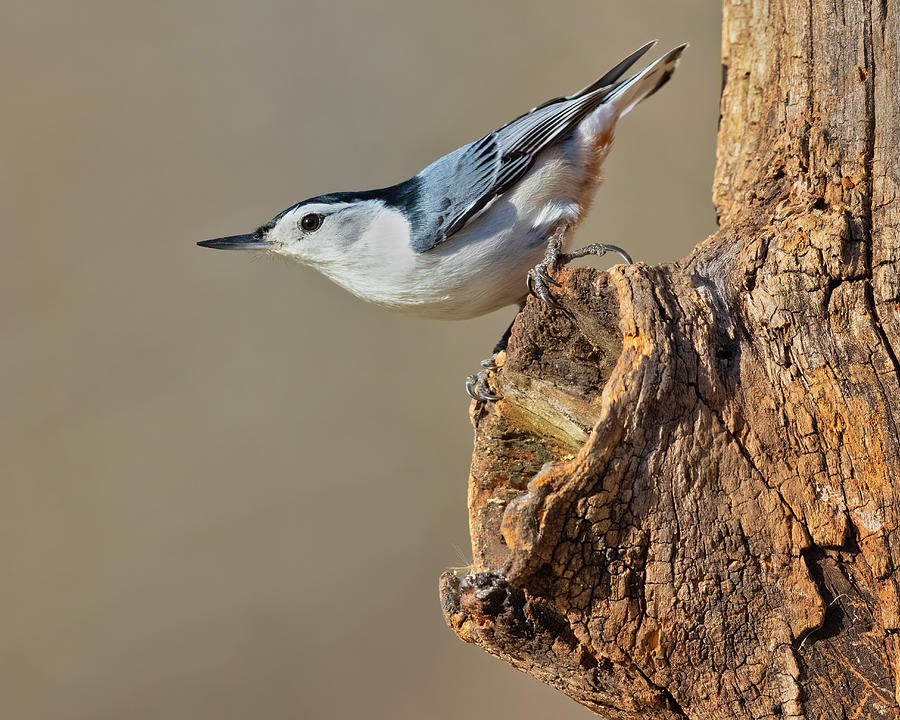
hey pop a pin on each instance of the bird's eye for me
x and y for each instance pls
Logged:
(311, 222)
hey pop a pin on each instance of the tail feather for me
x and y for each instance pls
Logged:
(643, 84)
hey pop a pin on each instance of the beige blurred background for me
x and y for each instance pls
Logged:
(228, 487)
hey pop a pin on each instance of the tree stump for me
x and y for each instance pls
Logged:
(685, 505)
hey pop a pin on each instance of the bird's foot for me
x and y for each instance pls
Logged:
(477, 385)
(539, 280)
(540, 277)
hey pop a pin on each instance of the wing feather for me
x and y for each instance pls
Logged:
(459, 185)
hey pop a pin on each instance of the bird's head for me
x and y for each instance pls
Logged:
(319, 232)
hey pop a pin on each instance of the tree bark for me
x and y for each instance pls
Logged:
(685, 504)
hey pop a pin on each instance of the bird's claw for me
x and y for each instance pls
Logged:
(539, 281)
(595, 249)
(477, 385)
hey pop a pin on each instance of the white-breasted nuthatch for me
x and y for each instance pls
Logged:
(458, 239)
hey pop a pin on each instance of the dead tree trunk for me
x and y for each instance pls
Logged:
(687, 503)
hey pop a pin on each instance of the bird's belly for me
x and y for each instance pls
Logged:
(467, 277)
(477, 279)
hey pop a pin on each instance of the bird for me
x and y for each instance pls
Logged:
(479, 228)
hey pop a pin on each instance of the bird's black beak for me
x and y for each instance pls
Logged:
(236, 242)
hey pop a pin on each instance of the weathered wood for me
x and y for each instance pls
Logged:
(685, 504)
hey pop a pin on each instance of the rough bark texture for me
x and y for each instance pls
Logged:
(685, 504)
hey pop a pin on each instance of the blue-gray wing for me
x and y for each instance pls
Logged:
(458, 186)
(455, 188)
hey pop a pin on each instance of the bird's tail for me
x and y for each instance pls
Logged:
(643, 84)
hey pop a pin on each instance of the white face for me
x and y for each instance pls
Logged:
(316, 233)
(340, 239)
(360, 244)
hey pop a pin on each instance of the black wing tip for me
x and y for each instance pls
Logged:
(672, 54)
(620, 69)
(614, 75)
(633, 57)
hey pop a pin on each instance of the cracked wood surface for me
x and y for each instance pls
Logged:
(685, 504)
